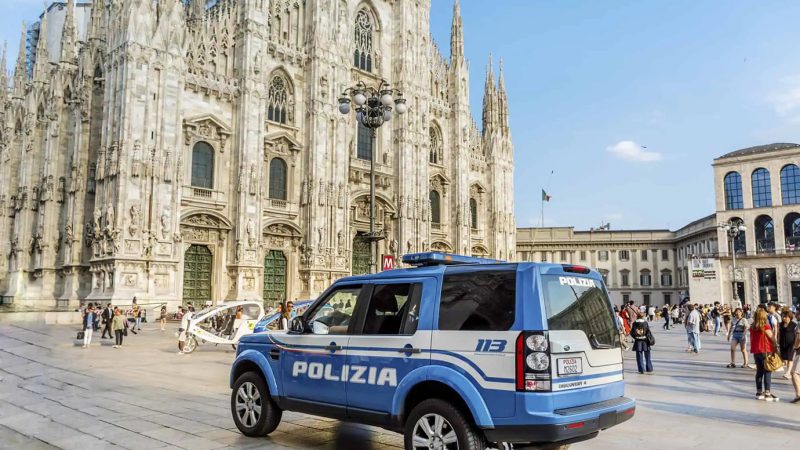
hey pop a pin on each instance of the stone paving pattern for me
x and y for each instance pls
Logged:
(54, 394)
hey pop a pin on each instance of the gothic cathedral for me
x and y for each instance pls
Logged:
(192, 150)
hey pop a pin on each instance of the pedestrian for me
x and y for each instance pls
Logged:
(190, 307)
(290, 307)
(136, 311)
(774, 318)
(786, 337)
(675, 314)
(737, 336)
(726, 318)
(88, 325)
(185, 321)
(162, 317)
(693, 321)
(119, 325)
(665, 315)
(642, 341)
(716, 317)
(796, 371)
(108, 316)
(286, 317)
(762, 342)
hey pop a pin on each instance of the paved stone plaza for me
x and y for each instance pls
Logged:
(53, 394)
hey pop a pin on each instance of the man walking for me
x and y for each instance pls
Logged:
(108, 317)
(693, 329)
(185, 318)
(88, 325)
(716, 315)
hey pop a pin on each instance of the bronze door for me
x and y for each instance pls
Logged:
(274, 278)
(197, 270)
(361, 255)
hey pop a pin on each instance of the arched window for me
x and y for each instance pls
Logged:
(762, 193)
(436, 213)
(791, 230)
(733, 191)
(790, 184)
(278, 100)
(435, 156)
(473, 213)
(365, 144)
(203, 166)
(364, 50)
(277, 179)
(765, 234)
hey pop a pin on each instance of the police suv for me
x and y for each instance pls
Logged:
(455, 353)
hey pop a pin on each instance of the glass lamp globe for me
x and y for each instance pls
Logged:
(360, 98)
(400, 106)
(386, 98)
(387, 115)
(344, 106)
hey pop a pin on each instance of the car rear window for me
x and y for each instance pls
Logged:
(478, 299)
(580, 303)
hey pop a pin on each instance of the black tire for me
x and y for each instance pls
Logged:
(467, 435)
(270, 415)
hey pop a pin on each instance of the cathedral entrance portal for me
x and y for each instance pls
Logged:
(274, 278)
(361, 255)
(197, 270)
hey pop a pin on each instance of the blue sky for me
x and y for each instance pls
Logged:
(591, 82)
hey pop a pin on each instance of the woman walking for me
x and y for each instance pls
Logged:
(786, 338)
(136, 311)
(762, 342)
(796, 371)
(162, 317)
(118, 325)
(642, 341)
(726, 318)
(738, 332)
(286, 317)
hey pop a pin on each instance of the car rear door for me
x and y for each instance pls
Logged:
(390, 341)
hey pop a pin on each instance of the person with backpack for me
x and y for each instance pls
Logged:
(665, 316)
(642, 342)
(693, 327)
(716, 316)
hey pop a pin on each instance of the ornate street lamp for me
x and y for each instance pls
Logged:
(373, 107)
(733, 229)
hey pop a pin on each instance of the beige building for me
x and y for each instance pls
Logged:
(646, 266)
(760, 187)
(193, 150)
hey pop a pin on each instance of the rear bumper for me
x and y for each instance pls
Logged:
(574, 426)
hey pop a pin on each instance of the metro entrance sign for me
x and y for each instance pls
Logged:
(388, 262)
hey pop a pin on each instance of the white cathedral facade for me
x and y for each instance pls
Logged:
(177, 151)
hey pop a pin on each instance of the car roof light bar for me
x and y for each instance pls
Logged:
(446, 259)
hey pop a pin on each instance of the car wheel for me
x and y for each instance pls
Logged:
(190, 345)
(252, 408)
(436, 424)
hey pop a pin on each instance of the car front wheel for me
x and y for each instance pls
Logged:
(436, 424)
(254, 412)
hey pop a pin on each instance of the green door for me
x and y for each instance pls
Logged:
(274, 278)
(361, 255)
(197, 264)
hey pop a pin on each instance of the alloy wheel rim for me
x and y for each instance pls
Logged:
(248, 404)
(434, 432)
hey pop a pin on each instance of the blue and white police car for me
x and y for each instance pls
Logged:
(455, 353)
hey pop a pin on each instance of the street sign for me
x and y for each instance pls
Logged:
(388, 262)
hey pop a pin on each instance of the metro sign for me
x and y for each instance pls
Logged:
(388, 262)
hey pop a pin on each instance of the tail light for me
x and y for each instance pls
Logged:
(575, 269)
(533, 361)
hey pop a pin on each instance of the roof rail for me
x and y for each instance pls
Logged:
(447, 259)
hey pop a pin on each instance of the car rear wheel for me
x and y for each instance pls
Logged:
(436, 424)
(254, 412)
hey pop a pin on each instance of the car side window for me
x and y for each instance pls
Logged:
(334, 315)
(393, 309)
(478, 299)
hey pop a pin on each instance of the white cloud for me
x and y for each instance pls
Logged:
(631, 151)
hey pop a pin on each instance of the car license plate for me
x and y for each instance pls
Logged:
(570, 366)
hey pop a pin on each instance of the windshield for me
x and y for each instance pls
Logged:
(579, 303)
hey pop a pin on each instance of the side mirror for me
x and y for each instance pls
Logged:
(297, 326)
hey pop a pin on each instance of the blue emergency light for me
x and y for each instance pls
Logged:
(447, 259)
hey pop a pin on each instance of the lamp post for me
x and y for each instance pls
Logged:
(733, 229)
(373, 107)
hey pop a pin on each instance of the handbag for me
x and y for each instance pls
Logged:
(125, 331)
(772, 361)
(651, 340)
(80, 335)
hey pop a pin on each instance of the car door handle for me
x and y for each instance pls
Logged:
(333, 347)
(275, 354)
(409, 349)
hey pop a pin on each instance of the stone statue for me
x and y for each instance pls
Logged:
(340, 241)
(251, 232)
(133, 229)
(96, 225)
(321, 239)
(393, 247)
(109, 217)
(408, 246)
(165, 225)
(253, 180)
